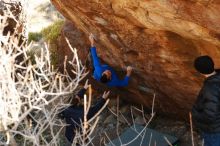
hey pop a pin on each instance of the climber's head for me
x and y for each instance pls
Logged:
(106, 76)
(204, 65)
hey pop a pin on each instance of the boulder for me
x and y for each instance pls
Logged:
(160, 39)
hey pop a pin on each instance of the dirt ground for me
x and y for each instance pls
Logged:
(106, 128)
(179, 129)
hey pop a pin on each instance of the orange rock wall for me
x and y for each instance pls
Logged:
(160, 39)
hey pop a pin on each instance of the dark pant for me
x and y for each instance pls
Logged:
(211, 139)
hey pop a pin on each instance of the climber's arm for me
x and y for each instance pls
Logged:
(95, 58)
(124, 82)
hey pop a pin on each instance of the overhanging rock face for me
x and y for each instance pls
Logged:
(160, 39)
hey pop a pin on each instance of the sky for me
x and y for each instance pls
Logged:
(37, 20)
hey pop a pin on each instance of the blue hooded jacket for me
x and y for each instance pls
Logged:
(99, 69)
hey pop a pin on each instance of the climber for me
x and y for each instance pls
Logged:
(74, 114)
(105, 73)
(206, 110)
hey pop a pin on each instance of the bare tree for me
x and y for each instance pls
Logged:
(32, 92)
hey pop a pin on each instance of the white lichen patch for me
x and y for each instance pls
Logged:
(101, 21)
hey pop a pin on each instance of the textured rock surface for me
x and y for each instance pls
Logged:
(160, 39)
